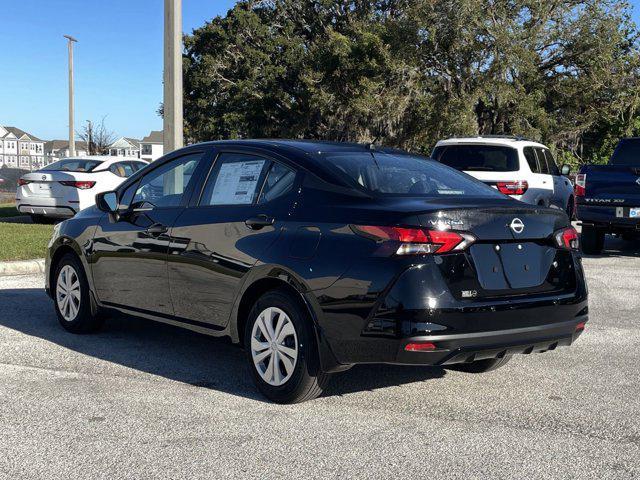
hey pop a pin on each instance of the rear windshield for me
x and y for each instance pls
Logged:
(73, 165)
(404, 175)
(627, 152)
(478, 158)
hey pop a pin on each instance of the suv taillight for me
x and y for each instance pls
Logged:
(580, 189)
(513, 188)
(415, 241)
(82, 184)
(567, 239)
(22, 182)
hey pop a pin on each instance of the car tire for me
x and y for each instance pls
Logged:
(482, 366)
(592, 240)
(70, 282)
(282, 350)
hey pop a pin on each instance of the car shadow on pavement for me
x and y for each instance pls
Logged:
(176, 353)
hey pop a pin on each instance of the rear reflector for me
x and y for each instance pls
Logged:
(513, 188)
(567, 238)
(416, 240)
(419, 347)
(580, 326)
(81, 184)
(22, 182)
(580, 189)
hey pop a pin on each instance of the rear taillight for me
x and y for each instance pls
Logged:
(567, 238)
(513, 188)
(22, 182)
(417, 240)
(580, 189)
(82, 184)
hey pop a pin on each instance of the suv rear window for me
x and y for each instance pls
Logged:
(72, 165)
(478, 158)
(403, 175)
(627, 152)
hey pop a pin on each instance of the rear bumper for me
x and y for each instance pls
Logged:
(605, 217)
(469, 347)
(46, 209)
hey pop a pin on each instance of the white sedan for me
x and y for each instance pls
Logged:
(63, 188)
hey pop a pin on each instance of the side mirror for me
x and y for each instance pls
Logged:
(565, 170)
(107, 202)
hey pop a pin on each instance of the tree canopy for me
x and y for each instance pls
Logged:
(406, 73)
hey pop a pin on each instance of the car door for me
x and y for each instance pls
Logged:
(129, 251)
(221, 235)
(561, 185)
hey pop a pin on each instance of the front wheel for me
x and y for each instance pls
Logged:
(592, 240)
(282, 351)
(71, 297)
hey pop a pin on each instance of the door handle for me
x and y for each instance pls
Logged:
(256, 223)
(156, 229)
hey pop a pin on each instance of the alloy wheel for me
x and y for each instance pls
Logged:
(68, 293)
(274, 346)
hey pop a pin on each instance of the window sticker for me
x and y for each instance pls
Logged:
(236, 183)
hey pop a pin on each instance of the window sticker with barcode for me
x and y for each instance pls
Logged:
(236, 183)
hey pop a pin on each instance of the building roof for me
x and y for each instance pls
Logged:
(156, 136)
(63, 144)
(19, 133)
(133, 141)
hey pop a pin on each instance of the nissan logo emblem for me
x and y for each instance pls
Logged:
(516, 225)
(638, 180)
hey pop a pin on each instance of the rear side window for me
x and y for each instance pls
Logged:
(234, 180)
(627, 152)
(403, 175)
(278, 182)
(530, 155)
(478, 158)
(72, 165)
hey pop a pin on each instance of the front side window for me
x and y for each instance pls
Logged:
(478, 158)
(553, 167)
(234, 180)
(165, 185)
(404, 175)
(542, 161)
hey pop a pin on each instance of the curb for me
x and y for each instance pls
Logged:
(22, 267)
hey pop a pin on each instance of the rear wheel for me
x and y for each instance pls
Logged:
(282, 351)
(71, 297)
(482, 366)
(592, 240)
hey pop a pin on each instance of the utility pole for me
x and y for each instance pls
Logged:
(72, 143)
(172, 117)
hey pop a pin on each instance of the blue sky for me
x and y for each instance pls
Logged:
(118, 61)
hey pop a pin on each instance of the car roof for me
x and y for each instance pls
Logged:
(484, 140)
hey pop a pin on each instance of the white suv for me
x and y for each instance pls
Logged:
(523, 169)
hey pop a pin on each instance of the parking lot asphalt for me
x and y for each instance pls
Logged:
(145, 400)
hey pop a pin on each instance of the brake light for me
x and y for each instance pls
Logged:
(416, 240)
(580, 189)
(420, 347)
(567, 238)
(513, 188)
(82, 184)
(22, 182)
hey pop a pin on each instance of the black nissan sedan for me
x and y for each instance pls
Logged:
(316, 256)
